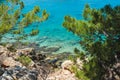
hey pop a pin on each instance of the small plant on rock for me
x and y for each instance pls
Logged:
(25, 60)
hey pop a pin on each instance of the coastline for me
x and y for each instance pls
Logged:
(51, 64)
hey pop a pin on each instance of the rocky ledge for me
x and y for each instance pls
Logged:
(26, 63)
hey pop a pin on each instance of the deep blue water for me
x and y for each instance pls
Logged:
(52, 33)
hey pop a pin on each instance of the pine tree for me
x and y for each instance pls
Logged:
(13, 20)
(100, 38)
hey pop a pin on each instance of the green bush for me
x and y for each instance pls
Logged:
(79, 73)
(25, 60)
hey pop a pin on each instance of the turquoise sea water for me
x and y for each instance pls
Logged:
(52, 33)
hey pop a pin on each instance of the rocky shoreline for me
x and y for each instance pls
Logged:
(31, 62)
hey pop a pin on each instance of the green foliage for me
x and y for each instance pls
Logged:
(25, 43)
(79, 73)
(34, 32)
(31, 17)
(25, 60)
(100, 35)
(78, 54)
(21, 5)
(36, 9)
(72, 58)
(45, 15)
(13, 20)
(16, 32)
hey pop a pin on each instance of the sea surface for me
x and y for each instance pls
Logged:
(52, 33)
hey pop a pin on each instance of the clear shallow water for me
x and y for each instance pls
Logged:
(52, 33)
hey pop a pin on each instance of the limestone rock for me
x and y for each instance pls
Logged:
(62, 75)
(26, 51)
(9, 61)
(67, 64)
(3, 57)
(3, 50)
(19, 73)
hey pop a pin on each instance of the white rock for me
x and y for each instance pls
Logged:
(67, 64)
(25, 51)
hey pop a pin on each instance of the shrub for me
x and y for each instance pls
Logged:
(25, 60)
